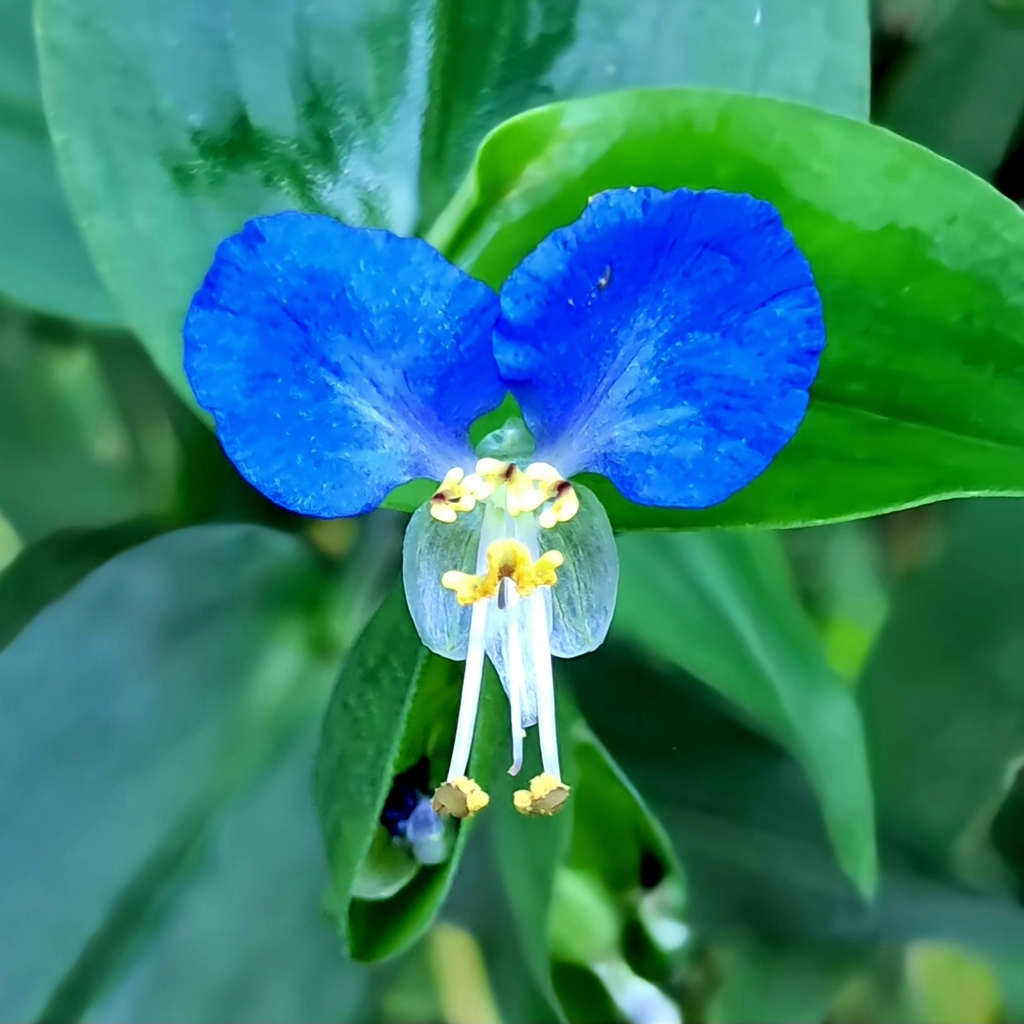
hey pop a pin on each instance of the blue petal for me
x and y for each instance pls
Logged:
(664, 340)
(339, 362)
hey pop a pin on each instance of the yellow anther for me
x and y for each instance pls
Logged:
(506, 559)
(563, 508)
(564, 501)
(544, 797)
(455, 495)
(461, 798)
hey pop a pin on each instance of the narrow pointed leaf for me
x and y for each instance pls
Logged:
(722, 606)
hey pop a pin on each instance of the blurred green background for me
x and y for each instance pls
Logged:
(796, 762)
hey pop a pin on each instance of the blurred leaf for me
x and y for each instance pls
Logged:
(369, 110)
(247, 940)
(841, 579)
(744, 823)
(576, 882)
(529, 852)
(130, 709)
(393, 704)
(722, 606)
(43, 262)
(943, 695)
(916, 400)
(49, 568)
(946, 985)
(960, 91)
(774, 983)
(480, 903)
(461, 974)
(68, 455)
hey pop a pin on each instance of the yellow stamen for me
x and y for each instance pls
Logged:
(544, 797)
(461, 798)
(456, 494)
(554, 488)
(506, 559)
(563, 508)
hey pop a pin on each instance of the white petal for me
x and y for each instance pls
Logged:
(583, 600)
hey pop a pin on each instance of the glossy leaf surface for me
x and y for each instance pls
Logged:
(366, 110)
(43, 262)
(919, 265)
(153, 690)
(722, 606)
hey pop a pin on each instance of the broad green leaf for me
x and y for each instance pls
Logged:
(368, 110)
(960, 90)
(394, 703)
(722, 606)
(943, 694)
(920, 393)
(130, 710)
(247, 940)
(43, 263)
(69, 454)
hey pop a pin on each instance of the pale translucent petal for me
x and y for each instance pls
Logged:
(432, 548)
(583, 600)
(499, 628)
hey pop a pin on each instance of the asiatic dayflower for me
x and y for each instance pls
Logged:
(666, 341)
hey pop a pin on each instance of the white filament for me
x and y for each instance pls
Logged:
(516, 678)
(541, 648)
(470, 701)
(473, 677)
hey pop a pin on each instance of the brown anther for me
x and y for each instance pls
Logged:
(460, 798)
(545, 796)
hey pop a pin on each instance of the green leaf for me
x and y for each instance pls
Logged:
(942, 695)
(43, 263)
(577, 883)
(69, 453)
(216, 957)
(722, 606)
(49, 568)
(920, 393)
(529, 852)
(130, 710)
(780, 983)
(367, 110)
(960, 90)
(394, 703)
(747, 829)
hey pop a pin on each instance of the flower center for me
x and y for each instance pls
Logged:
(511, 618)
(518, 491)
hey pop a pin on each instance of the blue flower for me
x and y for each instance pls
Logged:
(667, 341)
